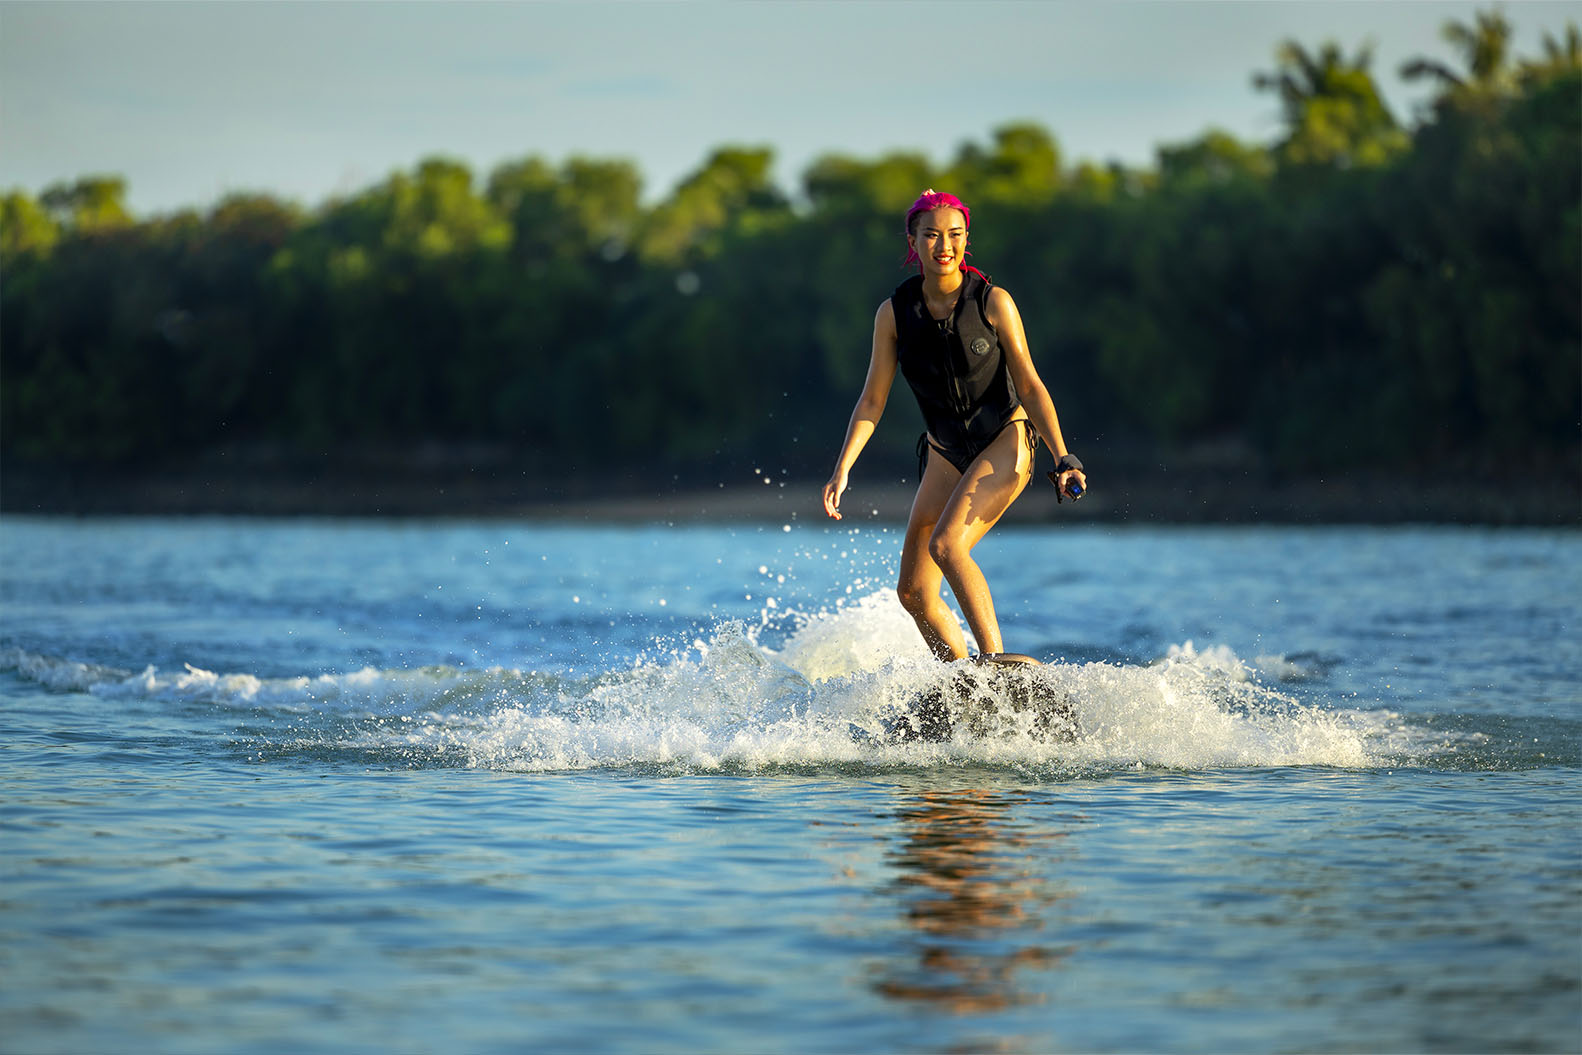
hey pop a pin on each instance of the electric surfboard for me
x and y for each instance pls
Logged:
(998, 695)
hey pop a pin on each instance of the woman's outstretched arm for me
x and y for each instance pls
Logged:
(1007, 323)
(882, 364)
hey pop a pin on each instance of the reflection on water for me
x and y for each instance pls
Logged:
(977, 907)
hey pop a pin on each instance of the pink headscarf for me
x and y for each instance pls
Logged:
(928, 201)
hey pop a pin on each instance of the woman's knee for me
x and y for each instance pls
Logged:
(946, 549)
(914, 598)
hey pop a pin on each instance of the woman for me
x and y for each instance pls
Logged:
(958, 340)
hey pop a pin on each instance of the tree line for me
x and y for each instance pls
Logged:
(1365, 291)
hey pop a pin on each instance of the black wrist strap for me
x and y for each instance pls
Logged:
(1064, 464)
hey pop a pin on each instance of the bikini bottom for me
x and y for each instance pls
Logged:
(962, 455)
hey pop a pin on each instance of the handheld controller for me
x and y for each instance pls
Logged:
(1066, 463)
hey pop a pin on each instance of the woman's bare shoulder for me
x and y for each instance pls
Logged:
(999, 295)
(1000, 305)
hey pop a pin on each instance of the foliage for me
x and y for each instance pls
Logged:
(1334, 113)
(1357, 292)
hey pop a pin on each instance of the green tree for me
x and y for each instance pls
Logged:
(1484, 48)
(838, 185)
(1334, 114)
(91, 204)
(561, 305)
(1214, 158)
(586, 205)
(732, 192)
(1478, 305)
(1305, 300)
(25, 227)
(1022, 165)
(1562, 52)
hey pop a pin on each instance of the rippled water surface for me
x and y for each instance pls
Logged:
(271, 785)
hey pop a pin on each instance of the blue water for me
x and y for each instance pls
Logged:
(330, 786)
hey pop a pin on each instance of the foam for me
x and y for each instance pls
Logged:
(729, 702)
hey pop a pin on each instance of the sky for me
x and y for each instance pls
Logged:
(312, 99)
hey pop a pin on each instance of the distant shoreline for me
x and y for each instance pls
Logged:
(1138, 498)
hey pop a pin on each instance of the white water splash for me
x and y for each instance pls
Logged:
(824, 698)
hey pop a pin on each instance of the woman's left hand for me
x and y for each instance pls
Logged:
(832, 492)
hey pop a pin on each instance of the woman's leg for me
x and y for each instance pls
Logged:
(920, 579)
(983, 494)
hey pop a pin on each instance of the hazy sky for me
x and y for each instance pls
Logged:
(305, 100)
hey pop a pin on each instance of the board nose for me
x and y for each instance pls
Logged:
(1006, 659)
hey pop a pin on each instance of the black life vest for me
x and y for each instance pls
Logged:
(955, 366)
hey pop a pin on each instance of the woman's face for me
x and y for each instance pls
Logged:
(940, 240)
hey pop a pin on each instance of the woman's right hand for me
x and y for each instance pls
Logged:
(832, 492)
